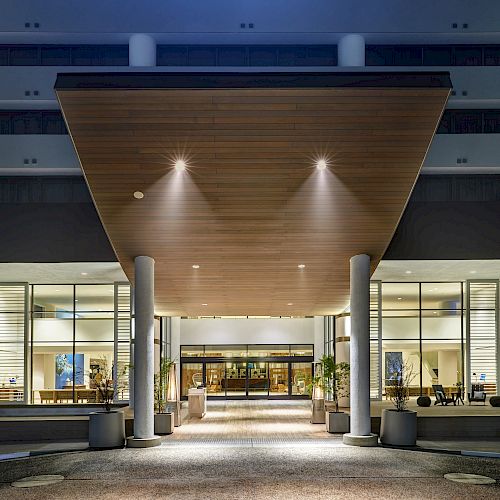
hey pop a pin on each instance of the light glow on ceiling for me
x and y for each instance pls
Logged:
(321, 164)
(180, 165)
(138, 195)
(195, 266)
(301, 266)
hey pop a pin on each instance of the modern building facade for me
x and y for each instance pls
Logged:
(66, 304)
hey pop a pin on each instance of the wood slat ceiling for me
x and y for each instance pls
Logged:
(251, 206)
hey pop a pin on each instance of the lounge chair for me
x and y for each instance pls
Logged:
(441, 396)
(477, 394)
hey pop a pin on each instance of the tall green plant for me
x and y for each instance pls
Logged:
(161, 383)
(333, 379)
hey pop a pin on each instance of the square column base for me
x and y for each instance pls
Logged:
(133, 442)
(352, 440)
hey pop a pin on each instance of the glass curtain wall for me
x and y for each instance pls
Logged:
(422, 326)
(73, 330)
(253, 371)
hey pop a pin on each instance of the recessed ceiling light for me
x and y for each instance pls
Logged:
(195, 266)
(473, 272)
(58, 290)
(321, 164)
(301, 266)
(138, 195)
(204, 305)
(290, 303)
(435, 312)
(408, 272)
(400, 298)
(180, 165)
(84, 274)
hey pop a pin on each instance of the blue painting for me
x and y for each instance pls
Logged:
(64, 370)
(393, 364)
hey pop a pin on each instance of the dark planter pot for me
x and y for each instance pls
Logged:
(337, 422)
(495, 401)
(106, 429)
(164, 423)
(424, 401)
(398, 428)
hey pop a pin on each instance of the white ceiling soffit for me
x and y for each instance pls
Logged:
(436, 270)
(60, 273)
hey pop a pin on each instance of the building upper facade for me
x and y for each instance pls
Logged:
(39, 40)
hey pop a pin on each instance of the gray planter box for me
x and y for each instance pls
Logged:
(106, 429)
(164, 423)
(398, 428)
(337, 422)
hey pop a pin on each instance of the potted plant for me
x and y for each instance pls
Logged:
(164, 419)
(337, 383)
(106, 428)
(398, 425)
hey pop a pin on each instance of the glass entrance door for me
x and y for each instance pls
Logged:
(278, 378)
(258, 379)
(236, 379)
(215, 379)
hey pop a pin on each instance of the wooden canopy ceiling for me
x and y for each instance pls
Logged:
(251, 206)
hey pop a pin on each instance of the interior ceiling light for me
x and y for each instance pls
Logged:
(400, 298)
(301, 266)
(290, 303)
(84, 274)
(321, 164)
(473, 272)
(204, 305)
(138, 195)
(408, 272)
(195, 266)
(180, 165)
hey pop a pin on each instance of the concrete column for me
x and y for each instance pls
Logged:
(351, 51)
(142, 50)
(144, 355)
(360, 434)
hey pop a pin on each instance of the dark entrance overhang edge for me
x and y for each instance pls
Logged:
(228, 80)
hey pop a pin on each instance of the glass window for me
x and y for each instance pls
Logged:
(441, 364)
(467, 122)
(202, 56)
(437, 56)
(191, 376)
(441, 296)
(27, 123)
(114, 55)
(407, 55)
(95, 299)
(172, 55)
(322, 56)
(264, 350)
(301, 377)
(85, 55)
(492, 56)
(468, 56)
(301, 350)
(53, 123)
(263, 56)
(24, 56)
(492, 122)
(236, 378)
(5, 123)
(232, 56)
(446, 124)
(278, 379)
(53, 301)
(292, 56)
(4, 56)
(56, 56)
(393, 354)
(379, 55)
(258, 378)
(192, 351)
(215, 379)
(400, 296)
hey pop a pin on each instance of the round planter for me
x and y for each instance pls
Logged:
(106, 429)
(337, 422)
(398, 428)
(424, 401)
(164, 423)
(495, 401)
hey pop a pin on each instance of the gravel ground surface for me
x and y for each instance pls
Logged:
(258, 472)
